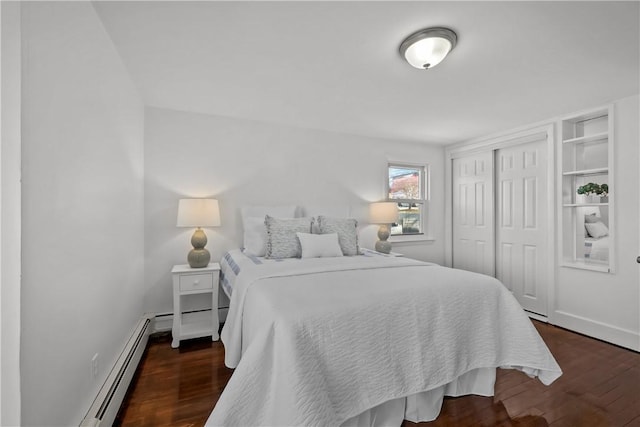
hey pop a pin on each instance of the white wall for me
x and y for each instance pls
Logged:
(10, 216)
(82, 211)
(243, 162)
(602, 305)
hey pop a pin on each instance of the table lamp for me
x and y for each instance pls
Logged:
(198, 213)
(383, 213)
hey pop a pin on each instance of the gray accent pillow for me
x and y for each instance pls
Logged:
(282, 240)
(255, 233)
(346, 228)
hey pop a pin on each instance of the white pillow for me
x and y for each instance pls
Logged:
(319, 245)
(597, 229)
(255, 236)
(591, 218)
(255, 232)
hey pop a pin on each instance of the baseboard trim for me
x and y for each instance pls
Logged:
(105, 406)
(537, 316)
(603, 331)
(164, 321)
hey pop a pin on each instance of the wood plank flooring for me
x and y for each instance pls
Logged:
(600, 388)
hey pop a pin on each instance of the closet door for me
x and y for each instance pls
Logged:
(473, 219)
(522, 224)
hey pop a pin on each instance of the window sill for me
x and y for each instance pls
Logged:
(410, 238)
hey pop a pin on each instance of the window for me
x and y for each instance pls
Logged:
(407, 186)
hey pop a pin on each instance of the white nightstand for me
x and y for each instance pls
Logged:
(189, 281)
(366, 251)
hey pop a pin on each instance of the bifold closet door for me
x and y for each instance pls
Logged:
(522, 224)
(473, 219)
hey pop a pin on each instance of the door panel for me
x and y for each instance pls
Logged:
(522, 226)
(473, 219)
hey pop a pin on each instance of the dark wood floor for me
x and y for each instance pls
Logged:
(600, 387)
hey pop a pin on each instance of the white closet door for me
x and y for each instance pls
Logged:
(522, 223)
(473, 219)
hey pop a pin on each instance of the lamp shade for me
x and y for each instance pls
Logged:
(383, 212)
(426, 48)
(198, 213)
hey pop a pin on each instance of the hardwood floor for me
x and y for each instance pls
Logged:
(600, 387)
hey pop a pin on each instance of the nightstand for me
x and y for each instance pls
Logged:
(370, 252)
(190, 281)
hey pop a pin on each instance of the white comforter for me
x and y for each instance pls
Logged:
(316, 342)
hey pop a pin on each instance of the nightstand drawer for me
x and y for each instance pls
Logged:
(196, 282)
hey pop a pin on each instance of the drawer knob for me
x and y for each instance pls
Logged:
(195, 282)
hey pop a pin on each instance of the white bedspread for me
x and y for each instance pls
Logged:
(319, 341)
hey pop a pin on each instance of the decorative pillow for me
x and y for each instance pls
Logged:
(597, 229)
(255, 232)
(319, 245)
(282, 241)
(591, 218)
(346, 230)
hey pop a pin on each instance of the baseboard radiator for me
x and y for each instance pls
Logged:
(105, 407)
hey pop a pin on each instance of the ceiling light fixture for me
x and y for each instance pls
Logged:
(426, 48)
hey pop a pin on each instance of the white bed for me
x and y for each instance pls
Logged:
(364, 340)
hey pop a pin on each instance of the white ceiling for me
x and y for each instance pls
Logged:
(335, 65)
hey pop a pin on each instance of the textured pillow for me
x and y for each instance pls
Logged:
(346, 230)
(255, 232)
(319, 245)
(597, 229)
(282, 241)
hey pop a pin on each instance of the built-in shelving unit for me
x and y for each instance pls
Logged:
(586, 220)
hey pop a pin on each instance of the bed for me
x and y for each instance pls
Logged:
(365, 340)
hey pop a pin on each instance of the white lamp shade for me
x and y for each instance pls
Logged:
(427, 51)
(427, 48)
(383, 212)
(198, 213)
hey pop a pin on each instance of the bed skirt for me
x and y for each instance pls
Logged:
(425, 406)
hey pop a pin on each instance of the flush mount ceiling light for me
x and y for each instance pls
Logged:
(426, 48)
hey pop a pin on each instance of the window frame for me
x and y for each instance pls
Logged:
(423, 201)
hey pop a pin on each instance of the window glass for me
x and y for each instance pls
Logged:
(406, 185)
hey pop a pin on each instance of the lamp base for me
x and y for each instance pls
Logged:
(198, 258)
(383, 245)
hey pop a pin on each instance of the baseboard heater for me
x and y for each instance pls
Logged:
(105, 407)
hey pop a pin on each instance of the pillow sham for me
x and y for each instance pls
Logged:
(282, 241)
(255, 232)
(319, 245)
(345, 228)
(597, 229)
(255, 236)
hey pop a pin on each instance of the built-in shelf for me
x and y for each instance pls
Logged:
(586, 156)
(573, 205)
(595, 171)
(602, 136)
(587, 265)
